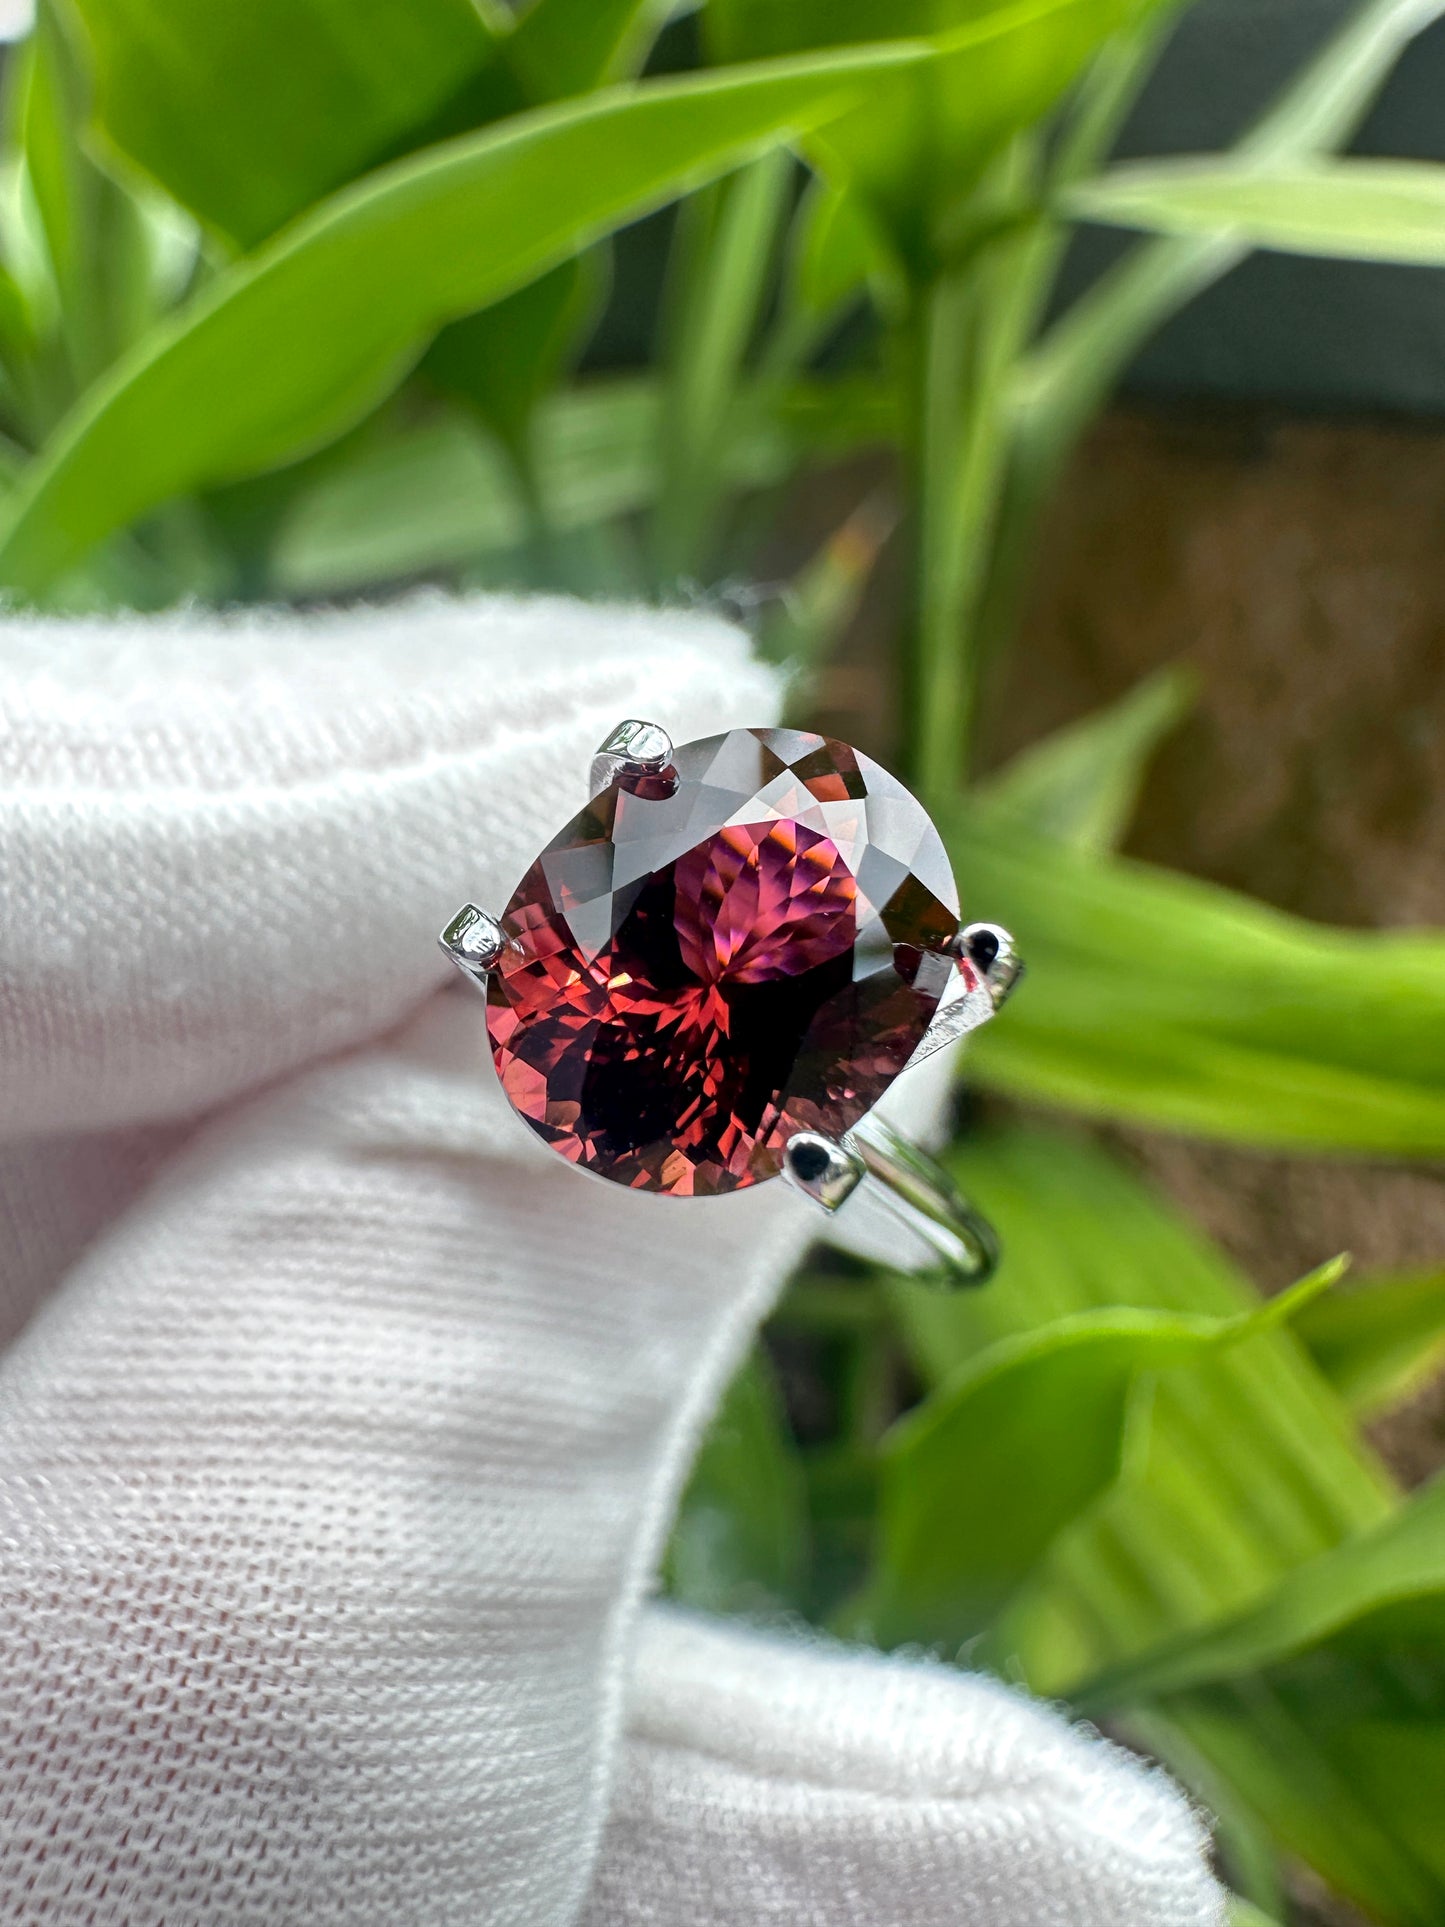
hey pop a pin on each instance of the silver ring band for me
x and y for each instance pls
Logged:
(947, 1239)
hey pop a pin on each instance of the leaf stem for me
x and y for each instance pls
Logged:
(959, 345)
(725, 245)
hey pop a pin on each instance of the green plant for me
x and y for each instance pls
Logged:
(292, 299)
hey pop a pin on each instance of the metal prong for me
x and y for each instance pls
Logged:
(473, 940)
(996, 967)
(821, 1168)
(633, 748)
(990, 949)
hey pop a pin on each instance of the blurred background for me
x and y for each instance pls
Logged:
(1056, 390)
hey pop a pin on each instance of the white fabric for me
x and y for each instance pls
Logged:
(772, 1783)
(336, 1458)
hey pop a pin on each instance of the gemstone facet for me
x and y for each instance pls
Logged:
(696, 969)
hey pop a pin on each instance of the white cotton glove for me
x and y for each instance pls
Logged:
(783, 1783)
(340, 1442)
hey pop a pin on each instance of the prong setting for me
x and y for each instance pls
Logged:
(974, 994)
(474, 940)
(991, 951)
(635, 749)
(822, 1169)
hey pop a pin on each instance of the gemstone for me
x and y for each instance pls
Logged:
(697, 967)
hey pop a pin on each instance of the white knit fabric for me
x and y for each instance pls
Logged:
(778, 1783)
(337, 1454)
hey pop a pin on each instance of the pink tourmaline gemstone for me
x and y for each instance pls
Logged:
(699, 968)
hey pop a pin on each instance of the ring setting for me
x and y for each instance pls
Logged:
(712, 973)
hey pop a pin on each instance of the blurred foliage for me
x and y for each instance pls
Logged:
(293, 301)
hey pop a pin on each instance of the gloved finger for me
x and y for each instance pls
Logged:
(329, 1482)
(765, 1780)
(227, 844)
(55, 1195)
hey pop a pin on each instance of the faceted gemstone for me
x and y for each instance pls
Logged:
(698, 966)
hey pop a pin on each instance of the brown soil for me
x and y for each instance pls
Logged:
(1297, 567)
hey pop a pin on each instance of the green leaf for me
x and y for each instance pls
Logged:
(439, 495)
(1241, 1914)
(247, 114)
(762, 29)
(426, 500)
(833, 251)
(740, 1541)
(983, 1477)
(17, 325)
(442, 495)
(1378, 1597)
(1163, 1000)
(292, 345)
(564, 47)
(1381, 1341)
(1077, 362)
(915, 150)
(502, 360)
(1250, 1468)
(1328, 1699)
(1081, 784)
(97, 239)
(1358, 210)
(1325, 102)
(1251, 1464)
(1357, 1800)
(719, 274)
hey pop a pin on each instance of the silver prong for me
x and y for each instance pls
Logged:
(996, 967)
(473, 940)
(991, 951)
(633, 748)
(822, 1169)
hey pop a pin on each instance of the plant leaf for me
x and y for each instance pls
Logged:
(1077, 362)
(718, 277)
(1357, 1800)
(290, 346)
(833, 252)
(247, 114)
(762, 30)
(1327, 1699)
(439, 495)
(1357, 210)
(1379, 1597)
(1240, 1913)
(564, 47)
(981, 1479)
(1251, 1464)
(915, 150)
(740, 1540)
(1382, 1341)
(503, 359)
(97, 239)
(1167, 1001)
(1250, 1468)
(1081, 784)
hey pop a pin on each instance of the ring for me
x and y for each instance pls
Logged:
(712, 973)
